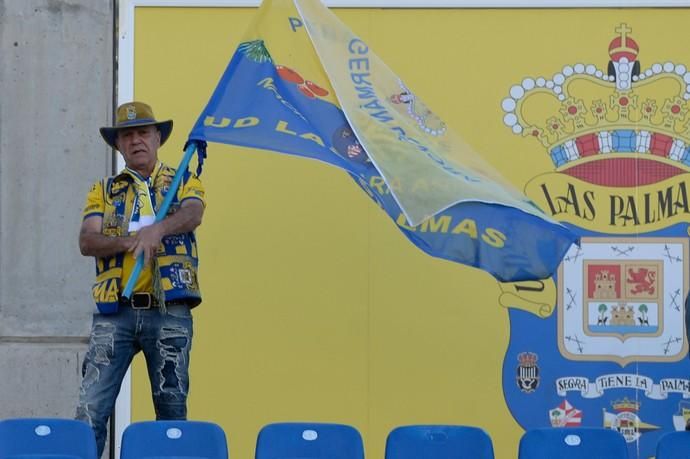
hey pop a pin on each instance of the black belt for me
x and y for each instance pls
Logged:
(140, 301)
(146, 301)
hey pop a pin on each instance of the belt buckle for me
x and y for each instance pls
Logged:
(149, 297)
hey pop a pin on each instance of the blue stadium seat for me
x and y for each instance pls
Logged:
(439, 442)
(572, 443)
(309, 441)
(174, 439)
(674, 445)
(27, 438)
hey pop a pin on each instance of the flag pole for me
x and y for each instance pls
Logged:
(160, 215)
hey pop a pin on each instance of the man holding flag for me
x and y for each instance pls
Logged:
(120, 225)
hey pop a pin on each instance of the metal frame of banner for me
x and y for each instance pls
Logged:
(426, 3)
(125, 74)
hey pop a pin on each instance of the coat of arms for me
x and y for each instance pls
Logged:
(622, 300)
(615, 342)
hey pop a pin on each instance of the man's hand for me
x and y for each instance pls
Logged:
(186, 219)
(93, 243)
(146, 241)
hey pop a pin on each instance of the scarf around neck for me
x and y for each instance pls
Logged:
(143, 213)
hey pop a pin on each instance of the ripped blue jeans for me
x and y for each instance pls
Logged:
(165, 339)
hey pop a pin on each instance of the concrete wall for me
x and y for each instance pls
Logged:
(56, 86)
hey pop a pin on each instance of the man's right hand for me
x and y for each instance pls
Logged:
(146, 241)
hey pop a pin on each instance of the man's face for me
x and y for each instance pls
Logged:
(139, 146)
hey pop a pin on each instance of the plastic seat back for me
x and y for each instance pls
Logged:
(35, 438)
(572, 443)
(674, 445)
(304, 440)
(174, 440)
(439, 442)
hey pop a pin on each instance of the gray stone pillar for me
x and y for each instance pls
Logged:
(56, 86)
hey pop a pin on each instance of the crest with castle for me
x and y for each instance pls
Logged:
(605, 288)
(626, 112)
(605, 285)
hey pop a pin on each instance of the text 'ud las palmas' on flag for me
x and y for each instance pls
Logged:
(302, 83)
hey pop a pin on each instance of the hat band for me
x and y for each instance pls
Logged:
(135, 122)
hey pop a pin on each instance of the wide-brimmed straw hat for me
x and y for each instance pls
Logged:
(134, 114)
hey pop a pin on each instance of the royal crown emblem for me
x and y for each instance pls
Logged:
(583, 111)
(632, 406)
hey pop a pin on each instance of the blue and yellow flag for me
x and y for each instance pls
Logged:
(302, 83)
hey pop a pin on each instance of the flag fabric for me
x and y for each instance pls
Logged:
(302, 83)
